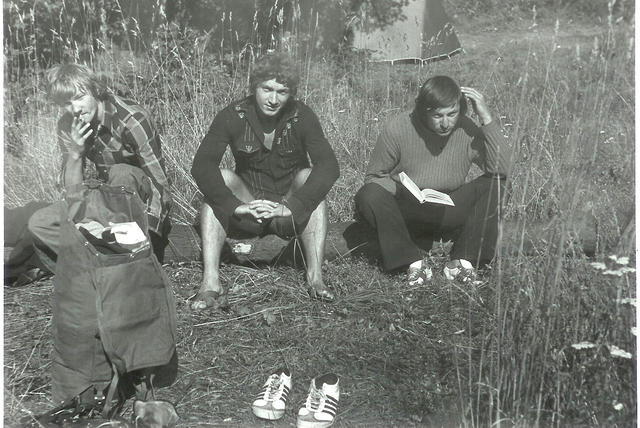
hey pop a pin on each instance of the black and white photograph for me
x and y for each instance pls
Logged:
(315, 213)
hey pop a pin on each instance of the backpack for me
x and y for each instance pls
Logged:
(114, 316)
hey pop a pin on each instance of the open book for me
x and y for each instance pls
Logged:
(425, 195)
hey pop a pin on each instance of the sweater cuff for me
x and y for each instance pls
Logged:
(387, 183)
(296, 207)
(229, 206)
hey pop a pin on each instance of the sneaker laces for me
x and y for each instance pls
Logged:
(414, 273)
(315, 399)
(272, 387)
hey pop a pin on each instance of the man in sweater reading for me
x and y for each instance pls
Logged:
(435, 145)
(274, 189)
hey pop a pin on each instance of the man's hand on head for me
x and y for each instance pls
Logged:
(80, 132)
(478, 103)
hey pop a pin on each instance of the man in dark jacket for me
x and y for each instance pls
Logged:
(274, 189)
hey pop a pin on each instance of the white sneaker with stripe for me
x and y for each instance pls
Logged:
(321, 406)
(272, 401)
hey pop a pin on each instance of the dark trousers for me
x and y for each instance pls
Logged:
(473, 221)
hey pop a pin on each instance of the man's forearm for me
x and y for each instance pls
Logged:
(497, 148)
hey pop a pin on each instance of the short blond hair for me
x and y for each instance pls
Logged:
(68, 80)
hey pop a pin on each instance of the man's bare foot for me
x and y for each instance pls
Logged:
(210, 298)
(318, 290)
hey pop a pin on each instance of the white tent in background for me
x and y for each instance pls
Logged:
(426, 34)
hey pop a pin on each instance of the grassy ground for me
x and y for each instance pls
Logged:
(540, 341)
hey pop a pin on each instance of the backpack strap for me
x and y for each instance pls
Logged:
(113, 387)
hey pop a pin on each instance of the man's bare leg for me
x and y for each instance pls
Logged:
(213, 236)
(313, 238)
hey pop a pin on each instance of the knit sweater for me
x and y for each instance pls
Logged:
(433, 161)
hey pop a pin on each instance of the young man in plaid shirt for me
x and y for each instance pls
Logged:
(116, 135)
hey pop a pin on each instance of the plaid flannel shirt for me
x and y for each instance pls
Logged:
(125, 134)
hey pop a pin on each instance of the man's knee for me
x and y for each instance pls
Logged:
(43, 220)
(371, 195)
(232, 180)
(123, 174)
(229, 176)
(300, 178)
(205, 209)
(35, 222)
(131, 177)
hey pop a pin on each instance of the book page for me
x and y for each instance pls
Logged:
(411, 186)
(426, 195)
(436, 197)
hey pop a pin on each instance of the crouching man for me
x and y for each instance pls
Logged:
(274, 189)
(116, 136)
(435, 145)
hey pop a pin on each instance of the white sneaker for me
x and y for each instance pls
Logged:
(418, 275)
(459, 269)
(321, 406)
(272, 401)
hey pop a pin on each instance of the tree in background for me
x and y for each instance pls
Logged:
(45, 32)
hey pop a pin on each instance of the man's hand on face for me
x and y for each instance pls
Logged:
(478, 103)
(263, 209)
(80, 131)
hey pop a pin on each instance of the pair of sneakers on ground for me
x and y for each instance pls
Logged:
(319, 410)
(420, 272)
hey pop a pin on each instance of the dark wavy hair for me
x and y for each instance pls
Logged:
(440, 91)
(275, 65)
(67, 80)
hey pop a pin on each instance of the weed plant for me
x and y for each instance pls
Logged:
(550, 340)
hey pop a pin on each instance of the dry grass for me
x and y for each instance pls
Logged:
(393, 346)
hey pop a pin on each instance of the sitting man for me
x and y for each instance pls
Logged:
(435, 145)
(273, 190)
(117, 136)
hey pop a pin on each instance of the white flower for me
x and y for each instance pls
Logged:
(623, 260)
(613, 272)
(583, 345)
(617, 406)
(617, 352)
(619, 260)
(598, 265)
(634, 331)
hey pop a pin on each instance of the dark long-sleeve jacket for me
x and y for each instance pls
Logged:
(298, 139)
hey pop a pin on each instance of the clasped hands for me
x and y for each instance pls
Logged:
(263, 209)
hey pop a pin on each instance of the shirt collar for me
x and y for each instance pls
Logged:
(108, 114)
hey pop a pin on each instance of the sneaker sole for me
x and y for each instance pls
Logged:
(268, 414)
(302, 423)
